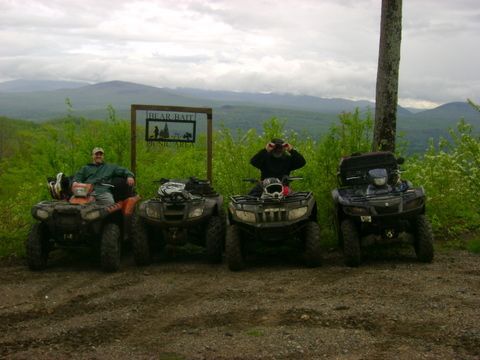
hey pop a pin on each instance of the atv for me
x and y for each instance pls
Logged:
(273, 218)
(183, 211)
(73, 219)
(374, 205)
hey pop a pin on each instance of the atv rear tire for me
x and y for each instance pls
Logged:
(140, 242)
(37, 247)
(214, 240)
(313, 251)
(233, 249)
(351, 243)
(423, 242)
(110, 248)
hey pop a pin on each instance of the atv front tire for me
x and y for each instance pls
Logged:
(313, 251)
(423, 242)
(140, 242)
(110, 250)
(214, 240)
(233, 249)
(37, 247)
(351, 243)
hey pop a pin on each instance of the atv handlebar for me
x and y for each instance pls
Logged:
(285, 179)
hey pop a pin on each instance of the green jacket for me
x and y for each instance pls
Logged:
(96, 174)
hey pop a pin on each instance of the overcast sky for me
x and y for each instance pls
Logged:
(326, 48)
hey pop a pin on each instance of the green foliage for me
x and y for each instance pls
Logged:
(256, 332)
(449, 170)
(474, 246)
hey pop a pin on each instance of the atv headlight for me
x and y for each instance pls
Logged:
(413, 204)
(195, 212)
(297, 213)
(153, 211)
(41, 214)
(92, 215)
(246, 216)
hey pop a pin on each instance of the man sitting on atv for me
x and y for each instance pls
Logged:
(98, 173)
(276, 160)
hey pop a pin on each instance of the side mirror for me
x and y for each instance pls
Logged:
(400, 160)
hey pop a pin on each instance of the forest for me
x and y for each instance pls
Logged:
(30, 152)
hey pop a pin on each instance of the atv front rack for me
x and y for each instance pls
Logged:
(253, 200)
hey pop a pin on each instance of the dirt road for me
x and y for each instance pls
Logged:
(392, 307)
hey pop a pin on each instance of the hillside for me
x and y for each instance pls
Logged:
(233, 109)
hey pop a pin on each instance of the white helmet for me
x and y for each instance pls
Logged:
(272, 188)
(55, 187)
(171, 188)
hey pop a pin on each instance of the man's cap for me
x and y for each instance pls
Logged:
(96, 150)
(277, 141)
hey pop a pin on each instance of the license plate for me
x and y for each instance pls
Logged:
(365, 218)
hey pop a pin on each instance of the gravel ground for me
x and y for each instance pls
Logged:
(392, 307)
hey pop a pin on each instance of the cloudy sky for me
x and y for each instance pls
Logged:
(326, 48)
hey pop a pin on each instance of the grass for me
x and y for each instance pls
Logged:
(256, 332)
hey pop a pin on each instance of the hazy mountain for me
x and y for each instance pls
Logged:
(22, 85)
(450, 110)
(92, 100)
(233, 109)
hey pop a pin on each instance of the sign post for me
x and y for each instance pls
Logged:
(170, 124)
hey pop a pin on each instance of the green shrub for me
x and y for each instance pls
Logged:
(449, 170)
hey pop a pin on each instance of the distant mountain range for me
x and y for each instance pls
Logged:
(45, 100)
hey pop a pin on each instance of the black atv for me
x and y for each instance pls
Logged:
(73, 220)
(184, 211)
(275, 217)
(374, 205)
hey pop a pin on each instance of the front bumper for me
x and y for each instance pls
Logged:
(64, 214)
(178, 215)
(393, 206)
(271, 214)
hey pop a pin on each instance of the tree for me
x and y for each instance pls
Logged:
(387, 76)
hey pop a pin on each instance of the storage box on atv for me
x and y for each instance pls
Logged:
(184, 211)
(75, 220)
(353, 170)
(273, 218)
(373, 205)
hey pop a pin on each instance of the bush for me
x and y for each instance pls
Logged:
(449, 170)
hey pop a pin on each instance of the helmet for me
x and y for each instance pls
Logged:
(272, 188)
(170, 188)
(55, 187)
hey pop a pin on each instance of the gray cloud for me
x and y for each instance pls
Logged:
(323, 48)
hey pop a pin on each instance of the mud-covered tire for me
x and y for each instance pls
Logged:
(423, 239)
(110, 247)
(140, 242)
(214, 240)
(37, 248)
(313, 252)
(233, 249)
(352, 253)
